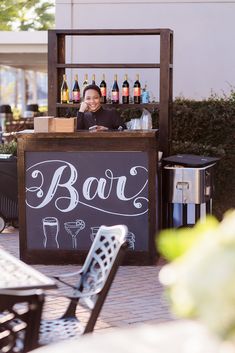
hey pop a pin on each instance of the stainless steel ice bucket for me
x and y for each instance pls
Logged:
(189, 185)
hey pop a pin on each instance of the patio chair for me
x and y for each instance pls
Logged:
(20, 315)
(95, 279)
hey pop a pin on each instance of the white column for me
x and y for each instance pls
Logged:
(34, 88)
(16, 89)
(22, 91)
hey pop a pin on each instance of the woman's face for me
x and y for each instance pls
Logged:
(92, 99)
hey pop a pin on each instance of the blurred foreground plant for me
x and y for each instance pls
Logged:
(7, 148)
(200, 279)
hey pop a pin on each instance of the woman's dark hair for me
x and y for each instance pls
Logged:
(94, 87)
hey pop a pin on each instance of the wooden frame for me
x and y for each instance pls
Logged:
(140, 141)
(57, 66)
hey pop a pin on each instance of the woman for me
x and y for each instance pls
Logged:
(91, 115)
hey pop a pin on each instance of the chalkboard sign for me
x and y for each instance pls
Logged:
(70, 194)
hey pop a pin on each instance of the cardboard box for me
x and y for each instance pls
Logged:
(64, 124)
(43, 123)
(51, 124)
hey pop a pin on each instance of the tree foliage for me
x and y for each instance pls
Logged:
(25, 15)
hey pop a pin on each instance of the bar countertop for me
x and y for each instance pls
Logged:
(30, 134)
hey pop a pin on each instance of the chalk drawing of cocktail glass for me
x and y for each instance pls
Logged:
(73, 228)
(94, 230)
(50, 232)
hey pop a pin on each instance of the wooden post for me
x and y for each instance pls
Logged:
(166, 78)
(52, 73)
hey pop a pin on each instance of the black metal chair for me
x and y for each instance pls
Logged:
(95, 279)
(20, 316)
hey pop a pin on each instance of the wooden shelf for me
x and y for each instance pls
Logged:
(108, 66)
(57, 66)
(151, 106)
(113, 32)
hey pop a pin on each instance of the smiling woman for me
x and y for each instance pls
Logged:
(92, 116)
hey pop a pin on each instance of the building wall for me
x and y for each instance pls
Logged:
(204, 40)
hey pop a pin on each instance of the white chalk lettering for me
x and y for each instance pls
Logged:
(48, 188)
(72, 197)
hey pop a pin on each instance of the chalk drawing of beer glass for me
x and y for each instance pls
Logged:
(73, 228)
(50, 232)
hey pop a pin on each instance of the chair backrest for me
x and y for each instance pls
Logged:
(100, 267)
(20, 316)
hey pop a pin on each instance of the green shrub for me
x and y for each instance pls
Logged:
(9, 148)
(208, 128)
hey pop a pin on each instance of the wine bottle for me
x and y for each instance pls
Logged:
(85, 82)
(115, 91)
(93, 79)
(103, 88)
(125, 91)
(64, 91)
(76, 91)
(137, 91)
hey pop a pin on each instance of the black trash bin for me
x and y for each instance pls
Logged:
(189, 180)
(6, 116)
(31, 111)
(8, 191)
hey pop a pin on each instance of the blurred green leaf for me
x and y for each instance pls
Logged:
(173, 243)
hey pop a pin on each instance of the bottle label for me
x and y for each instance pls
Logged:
(64, 96)
(137, 91)
(76, 96)
(103, 91)
(115, 96)
(125, 91)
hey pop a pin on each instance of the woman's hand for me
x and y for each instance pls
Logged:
(101, 128)
(98, 128)
(84, 107)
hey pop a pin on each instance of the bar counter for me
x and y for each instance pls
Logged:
(71, 183)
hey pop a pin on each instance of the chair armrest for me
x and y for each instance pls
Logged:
(70, 274)
(77, 294)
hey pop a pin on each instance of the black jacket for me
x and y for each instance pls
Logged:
(108, 118)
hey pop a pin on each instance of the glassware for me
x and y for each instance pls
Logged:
(50, 232)
(73, 228)
(136, 124)
(130, 240)
(94, 231)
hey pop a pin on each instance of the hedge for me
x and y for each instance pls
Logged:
(208, 128)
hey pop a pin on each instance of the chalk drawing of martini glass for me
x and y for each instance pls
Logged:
(73, 228)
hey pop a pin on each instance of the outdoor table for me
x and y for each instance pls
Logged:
(179, 336)
(15, 274)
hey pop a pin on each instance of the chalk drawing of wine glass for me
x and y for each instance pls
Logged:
(50, 232)
(73, 228)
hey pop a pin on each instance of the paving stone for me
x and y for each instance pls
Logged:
(135, 297)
